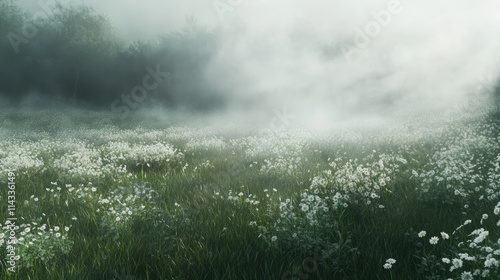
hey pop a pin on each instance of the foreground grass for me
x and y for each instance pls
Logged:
(193, 231)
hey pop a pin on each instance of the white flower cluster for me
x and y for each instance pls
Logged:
(21, 161)
(462, 163)
(242, 199)
(119, 207)
(493, 190)
(92, 157)
(480, 252)
(353, 182)
(281, 166)
(16, 155)
(81, 192)
(132, 154)
(389, 263)
(205, 144)
(279, 144)
(298, 222)
(86, 164)
(37, 242)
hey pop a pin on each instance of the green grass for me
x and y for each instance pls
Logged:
(192, 233)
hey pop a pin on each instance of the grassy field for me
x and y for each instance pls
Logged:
(413, 199)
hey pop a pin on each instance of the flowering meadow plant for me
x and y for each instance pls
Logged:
(412, 199)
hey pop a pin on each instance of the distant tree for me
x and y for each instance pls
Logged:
(187, 54)
(83, 46)
(85, 31)
(76, 55)
(12, 20)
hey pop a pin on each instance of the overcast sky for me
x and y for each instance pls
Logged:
(142, 19)
(430, 53)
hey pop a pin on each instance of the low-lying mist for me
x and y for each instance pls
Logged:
(273, 64)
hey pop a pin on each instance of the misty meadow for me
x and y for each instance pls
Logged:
(249, 140)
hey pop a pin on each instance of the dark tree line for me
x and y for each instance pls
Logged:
(73, 54)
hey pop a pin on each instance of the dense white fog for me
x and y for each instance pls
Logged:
(325, 61)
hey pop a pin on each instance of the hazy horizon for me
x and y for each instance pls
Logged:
(326, 60)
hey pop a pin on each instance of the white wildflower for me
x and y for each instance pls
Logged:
(456, 263)
(444, 235)
(391, 261)
(434, 240)
(466, 275)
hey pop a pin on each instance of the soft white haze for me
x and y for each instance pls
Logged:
(431, 54)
